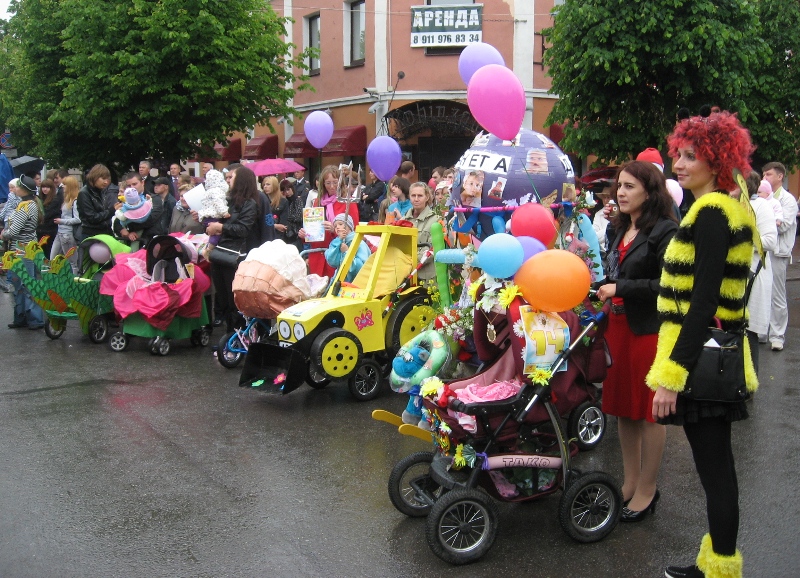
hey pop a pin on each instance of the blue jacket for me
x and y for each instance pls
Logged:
(335, 257)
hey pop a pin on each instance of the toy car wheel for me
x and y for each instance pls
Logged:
(118, 341)
(315, 378)
(461, 526)
(590, 506)
(54, 329)
(163, 347)
(337, 353)
(228, 358)
(413, 469)
(365, 384)
(587, 425)
(409, 318)
(98, 329)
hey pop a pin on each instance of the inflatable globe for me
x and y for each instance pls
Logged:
(500, 173)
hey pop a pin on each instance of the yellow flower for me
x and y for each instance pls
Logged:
(507, 295)
(473, 288)
(430, 386)
(459, 460)
(540, 376)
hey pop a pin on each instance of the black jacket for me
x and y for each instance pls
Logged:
(368, 208)
(95, 215)
(237, 231)
(154, 225)
(640, 274)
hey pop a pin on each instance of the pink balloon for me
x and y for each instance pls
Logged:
(318, 128)
(496, 99)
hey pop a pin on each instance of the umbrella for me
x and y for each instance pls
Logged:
(274, 166)
(27, 164)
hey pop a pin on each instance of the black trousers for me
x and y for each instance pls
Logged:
(223, 285)
(710, 440)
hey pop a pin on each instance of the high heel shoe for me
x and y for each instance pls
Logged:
(629, 515)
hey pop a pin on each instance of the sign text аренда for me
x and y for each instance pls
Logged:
(446, 26)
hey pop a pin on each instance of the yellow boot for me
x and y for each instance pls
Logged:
(715, 565)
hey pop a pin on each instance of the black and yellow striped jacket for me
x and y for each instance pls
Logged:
(678, 282)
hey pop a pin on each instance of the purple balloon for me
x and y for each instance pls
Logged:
(384, 157)
(476, 55)
(318, 128)
(530, 246)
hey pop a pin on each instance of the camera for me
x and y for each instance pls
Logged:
(371, 91)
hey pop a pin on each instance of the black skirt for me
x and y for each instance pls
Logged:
(691, 411)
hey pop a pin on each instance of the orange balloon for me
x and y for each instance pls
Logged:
(554, 280)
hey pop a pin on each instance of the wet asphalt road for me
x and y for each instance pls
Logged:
(125, 464)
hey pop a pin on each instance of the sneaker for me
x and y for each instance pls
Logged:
(762, 338)
(35, 327)
(16, 325)
(683, 572)
(776, 346)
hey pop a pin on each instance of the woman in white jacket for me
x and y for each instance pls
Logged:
(760, 302)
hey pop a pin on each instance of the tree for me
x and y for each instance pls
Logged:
(776, 97)
(121, 80)
(623, 69)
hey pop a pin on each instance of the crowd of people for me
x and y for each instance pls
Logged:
(676, 256)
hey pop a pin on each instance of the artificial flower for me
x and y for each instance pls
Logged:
(458, 459)
(508, 294)
(519, 328)
(540, 376)
(429, 387)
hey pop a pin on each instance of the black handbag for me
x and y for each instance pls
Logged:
(225, 257)
(718, 376)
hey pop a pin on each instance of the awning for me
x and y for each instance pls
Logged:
(261, 147)
(346, 141)
(231, 152)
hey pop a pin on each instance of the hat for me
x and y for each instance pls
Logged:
(765, 187)
(347, 219)
(651, 155)
(27, 183)
(162, 181)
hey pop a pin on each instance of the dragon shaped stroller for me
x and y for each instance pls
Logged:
(158, 293)
(516, 449)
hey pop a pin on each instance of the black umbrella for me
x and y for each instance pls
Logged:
(26, 165)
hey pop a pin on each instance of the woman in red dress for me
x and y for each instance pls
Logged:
(644, 226)
(328, 183)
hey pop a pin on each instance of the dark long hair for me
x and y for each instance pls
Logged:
(658, 204)
(244, 187)
(51, 196)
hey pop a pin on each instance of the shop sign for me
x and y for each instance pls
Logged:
(434, 26)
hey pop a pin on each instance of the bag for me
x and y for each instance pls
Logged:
(718, 374)
(224, 257)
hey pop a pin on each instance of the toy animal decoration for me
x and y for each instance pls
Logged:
(404, 366)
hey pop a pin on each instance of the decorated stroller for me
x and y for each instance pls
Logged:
(158, 294)
(515, 449)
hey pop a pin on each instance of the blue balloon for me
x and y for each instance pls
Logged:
(531, 246)
(498, 224)
(501, 255)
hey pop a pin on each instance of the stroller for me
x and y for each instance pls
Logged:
(158, 294)
(516, 449)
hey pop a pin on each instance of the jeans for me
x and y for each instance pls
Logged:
(62, 243)
(26, 312)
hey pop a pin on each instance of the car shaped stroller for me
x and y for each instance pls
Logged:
(167, 296)
(518, 451)
(352, 332)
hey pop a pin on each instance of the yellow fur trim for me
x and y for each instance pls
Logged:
(750, 375)
(665, 372)
(715, 565)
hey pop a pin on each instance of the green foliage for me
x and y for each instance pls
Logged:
(623, 69)
(120, 80)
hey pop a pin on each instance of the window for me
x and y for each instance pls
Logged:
(311, 38)
(448, 49)
(358, 30)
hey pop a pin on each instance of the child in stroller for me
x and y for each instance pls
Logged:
(517, 449)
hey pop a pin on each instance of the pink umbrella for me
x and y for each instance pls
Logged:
(274, 166)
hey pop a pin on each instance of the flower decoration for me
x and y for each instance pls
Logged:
(540, 376)
(508, 294)
(458, 459)
(519, 328)
(430, 387)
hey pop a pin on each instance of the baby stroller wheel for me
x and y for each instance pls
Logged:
(200, 337)
(590, 507)
(366, 382)
(409, 472)
(118, 341)
(228, 358)
(162, 347)
(152, 345)
(54, 330)
(315, 378)
(98, 329)
(587, 424)
(462, 526)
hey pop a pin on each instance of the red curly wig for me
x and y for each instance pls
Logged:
(720, 140)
